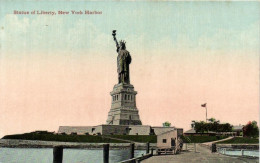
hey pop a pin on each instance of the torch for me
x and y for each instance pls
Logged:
(114, 36)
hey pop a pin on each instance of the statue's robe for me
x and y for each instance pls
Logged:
(123, 61)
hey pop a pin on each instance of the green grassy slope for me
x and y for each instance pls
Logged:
(201, 139)
(82, 138)
(241, 140)
(62, 138)
(137, 138)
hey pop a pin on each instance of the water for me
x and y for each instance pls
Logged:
(238, 152)
(45, 155)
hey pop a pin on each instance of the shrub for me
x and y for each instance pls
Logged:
(251, 129)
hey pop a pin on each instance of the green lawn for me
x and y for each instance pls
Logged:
(82, 138)
(62, 138)
(137, 138)
(241, 140)
(201, 139)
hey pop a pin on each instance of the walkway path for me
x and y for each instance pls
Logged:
(210, 143)
(202, 155)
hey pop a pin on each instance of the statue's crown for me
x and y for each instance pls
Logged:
(122, 41)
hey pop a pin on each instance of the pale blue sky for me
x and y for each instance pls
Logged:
(192, 25)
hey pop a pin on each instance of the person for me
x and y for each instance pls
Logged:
(181, 143)
(173, 144)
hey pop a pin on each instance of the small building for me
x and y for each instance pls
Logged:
(169, 142)
(238, 130)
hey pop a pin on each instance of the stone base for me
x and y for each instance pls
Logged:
(123, 109)
(130, 122)
(123, 116)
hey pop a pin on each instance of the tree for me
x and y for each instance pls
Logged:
(213, 125)
(193, 124)
(166, 124)
(225, 127)
(251, 129)
(200, 126)
(213, 120)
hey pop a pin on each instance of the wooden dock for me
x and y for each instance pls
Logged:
(202, 155)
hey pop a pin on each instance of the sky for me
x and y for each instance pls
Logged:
(58, 70)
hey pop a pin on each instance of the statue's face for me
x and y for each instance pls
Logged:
(122, 45)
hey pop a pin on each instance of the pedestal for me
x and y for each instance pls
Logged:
(123, 109)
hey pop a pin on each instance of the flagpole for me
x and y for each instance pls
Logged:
(205, 105)
(206, 114)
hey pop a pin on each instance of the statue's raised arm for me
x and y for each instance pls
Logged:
(114, 36)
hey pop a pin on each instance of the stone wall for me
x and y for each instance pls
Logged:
(80, 130)
(50, 144)
(139, 130)
(125, 130)
(117, 130)
(98, 130)
(114, 130)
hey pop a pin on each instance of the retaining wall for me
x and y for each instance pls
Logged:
(15, 143)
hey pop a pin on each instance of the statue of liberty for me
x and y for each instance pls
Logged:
(123, 61)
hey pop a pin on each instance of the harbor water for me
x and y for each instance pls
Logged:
(45, 155)
(239, 152)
